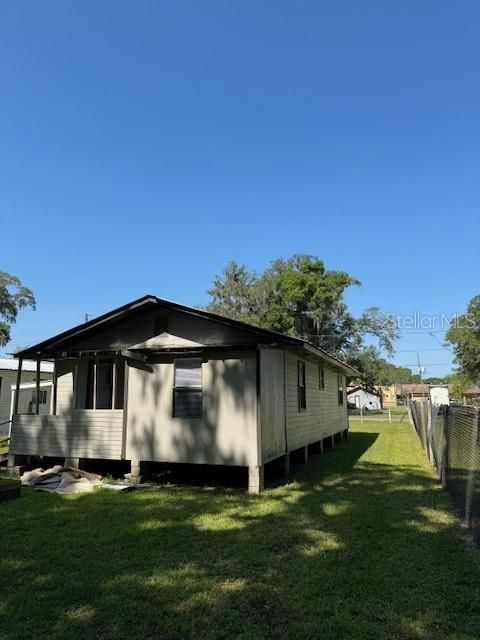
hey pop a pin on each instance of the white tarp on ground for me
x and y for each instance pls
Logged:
(60, 479)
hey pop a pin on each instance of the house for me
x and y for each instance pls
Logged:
(396, 394)
(388, 395)
(472, 395)
(367, 400)
(439, 394)
(156, 381)
(27, 400)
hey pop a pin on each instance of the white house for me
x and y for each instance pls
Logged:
(156, 381)
(27, 393)
(364, 399)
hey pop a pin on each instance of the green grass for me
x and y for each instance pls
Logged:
(3, 444)
(361, 544)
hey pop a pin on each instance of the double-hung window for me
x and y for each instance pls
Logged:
(187, 389)
(301, 386)
(321, 377)
(340, 389)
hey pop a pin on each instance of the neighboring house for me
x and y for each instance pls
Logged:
(364, 399)
(388, 395)
(472, 395)
(396, 394)
(155, 381)
(439, 394)
(8, 377)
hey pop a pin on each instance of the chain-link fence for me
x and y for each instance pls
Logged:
(450, 438)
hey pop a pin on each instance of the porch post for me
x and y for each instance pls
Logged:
(37, 388)
(53, 400)
(17, 388)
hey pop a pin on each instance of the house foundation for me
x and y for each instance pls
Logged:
(255, 479)
(135, 475)
(72, 462)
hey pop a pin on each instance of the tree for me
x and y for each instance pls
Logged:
(461, 382)
(375, 370)
(13, 297)
(464, 335)
(300, 297)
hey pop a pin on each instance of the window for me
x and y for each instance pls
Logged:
(340, 389)
(321, 377)
(187, 390)
(42, 397)
(302, 391)
(104, 384)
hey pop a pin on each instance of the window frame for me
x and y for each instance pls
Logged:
(90, 398)
(42, 397)
(302, 385)
(340, 390)
(190, 389)
(321, 377)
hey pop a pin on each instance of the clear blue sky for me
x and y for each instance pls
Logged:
(146, 144)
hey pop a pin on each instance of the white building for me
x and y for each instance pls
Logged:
(363, 399)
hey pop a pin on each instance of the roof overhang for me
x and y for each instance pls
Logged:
(58, 345)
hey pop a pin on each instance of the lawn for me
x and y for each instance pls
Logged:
(361, 544)
(3, 444)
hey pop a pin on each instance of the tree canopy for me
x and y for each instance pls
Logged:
(300, 297)
(13, 297)
(464, 335)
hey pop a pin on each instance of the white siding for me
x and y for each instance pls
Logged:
(65, 399)
(83, 434)
(272, 402)
(226, 434)
(323, 416)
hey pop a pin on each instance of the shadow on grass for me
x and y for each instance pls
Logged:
(353, 547)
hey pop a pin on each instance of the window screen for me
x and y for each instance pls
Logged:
(187, 391)
(302, 391)
(340, 390)
(321, 377)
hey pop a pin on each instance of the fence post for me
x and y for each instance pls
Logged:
(361, 415)
(390, 416)
(444, 458)
(469, 494)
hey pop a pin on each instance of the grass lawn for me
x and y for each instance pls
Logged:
(3, 444)
(362, 543)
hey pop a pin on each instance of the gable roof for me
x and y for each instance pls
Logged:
(472, 391)
(359, 387)
(60, 342)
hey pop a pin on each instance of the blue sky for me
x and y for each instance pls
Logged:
(146, 144)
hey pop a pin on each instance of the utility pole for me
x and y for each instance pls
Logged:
(419, 367)
(420, 370)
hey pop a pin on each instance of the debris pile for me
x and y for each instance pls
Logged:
(62, 480)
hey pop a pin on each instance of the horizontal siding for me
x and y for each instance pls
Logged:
(83, 434)
(64, 374)
(272, 403)
(323, 415)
